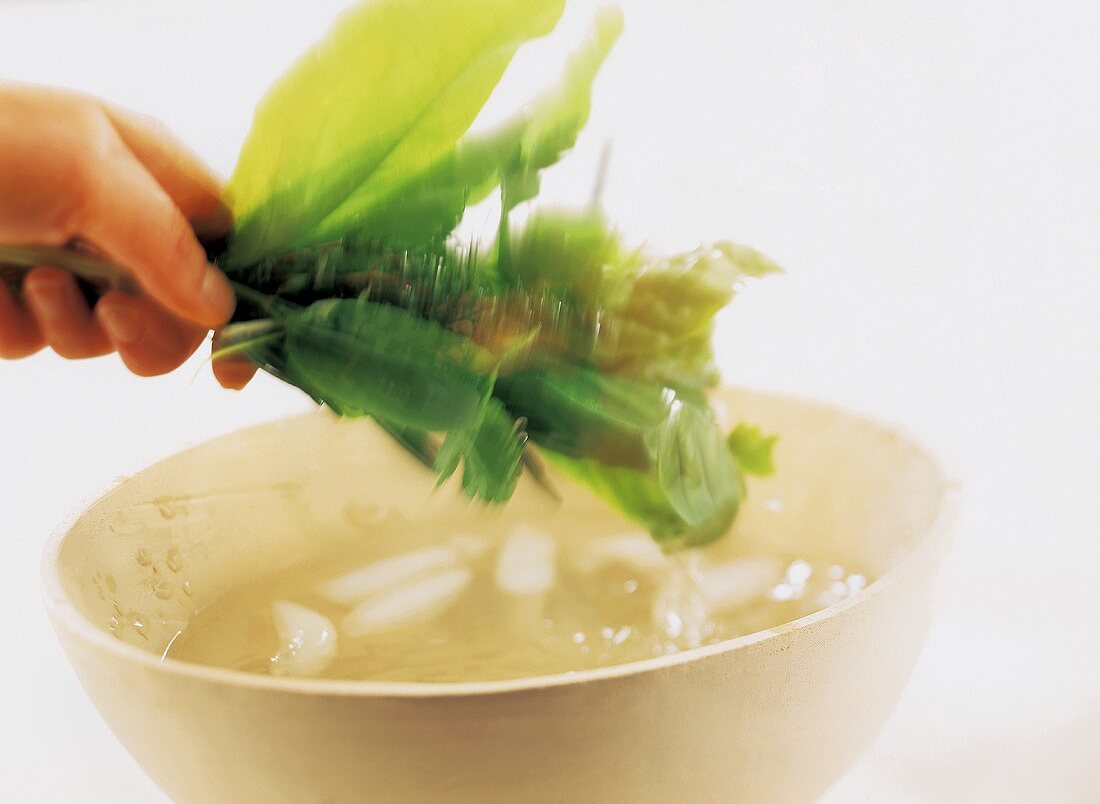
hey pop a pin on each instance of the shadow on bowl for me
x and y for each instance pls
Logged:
(773, 716)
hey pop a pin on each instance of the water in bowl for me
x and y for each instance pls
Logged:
(514, 598)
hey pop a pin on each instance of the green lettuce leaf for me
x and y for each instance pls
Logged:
(636, 315)
(382, 98)
(431, 202)
(659, 316)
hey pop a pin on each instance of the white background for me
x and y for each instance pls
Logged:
(928, 174)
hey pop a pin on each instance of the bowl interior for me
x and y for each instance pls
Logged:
(144, 558)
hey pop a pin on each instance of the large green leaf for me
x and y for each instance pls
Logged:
(382, 361)
(382, 98)
(431, 202)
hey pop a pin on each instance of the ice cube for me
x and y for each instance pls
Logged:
(527, 562)
(635, 550)
(307, 640)
(734, 583)
(366, 581)
(408, 603)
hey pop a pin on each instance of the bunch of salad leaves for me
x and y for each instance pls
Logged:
(353, 286)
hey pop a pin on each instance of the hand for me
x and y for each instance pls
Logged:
(76, 169)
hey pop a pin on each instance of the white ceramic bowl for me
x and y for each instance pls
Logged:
(773, 716)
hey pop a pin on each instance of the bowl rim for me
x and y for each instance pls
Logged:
(931, 543)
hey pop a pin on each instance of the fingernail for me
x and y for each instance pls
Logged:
(122, 326)
(217, 294)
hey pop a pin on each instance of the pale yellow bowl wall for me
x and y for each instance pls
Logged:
(775, 716)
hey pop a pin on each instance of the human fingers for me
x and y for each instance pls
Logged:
(62, 315)
(131, 218)
(232, 371)
(149, 339)
(19, 333)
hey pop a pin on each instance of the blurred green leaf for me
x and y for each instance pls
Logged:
(431, 202)
(752, 449)
(661, 459)
(491, 452)
(384, 96)
(386, 363)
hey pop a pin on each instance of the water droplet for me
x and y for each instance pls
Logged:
(835, 572)
(187, 588)
(630, 587)
(175, 559)
(164, 589)
(139, 625)
(578, 638)
(169, 507)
